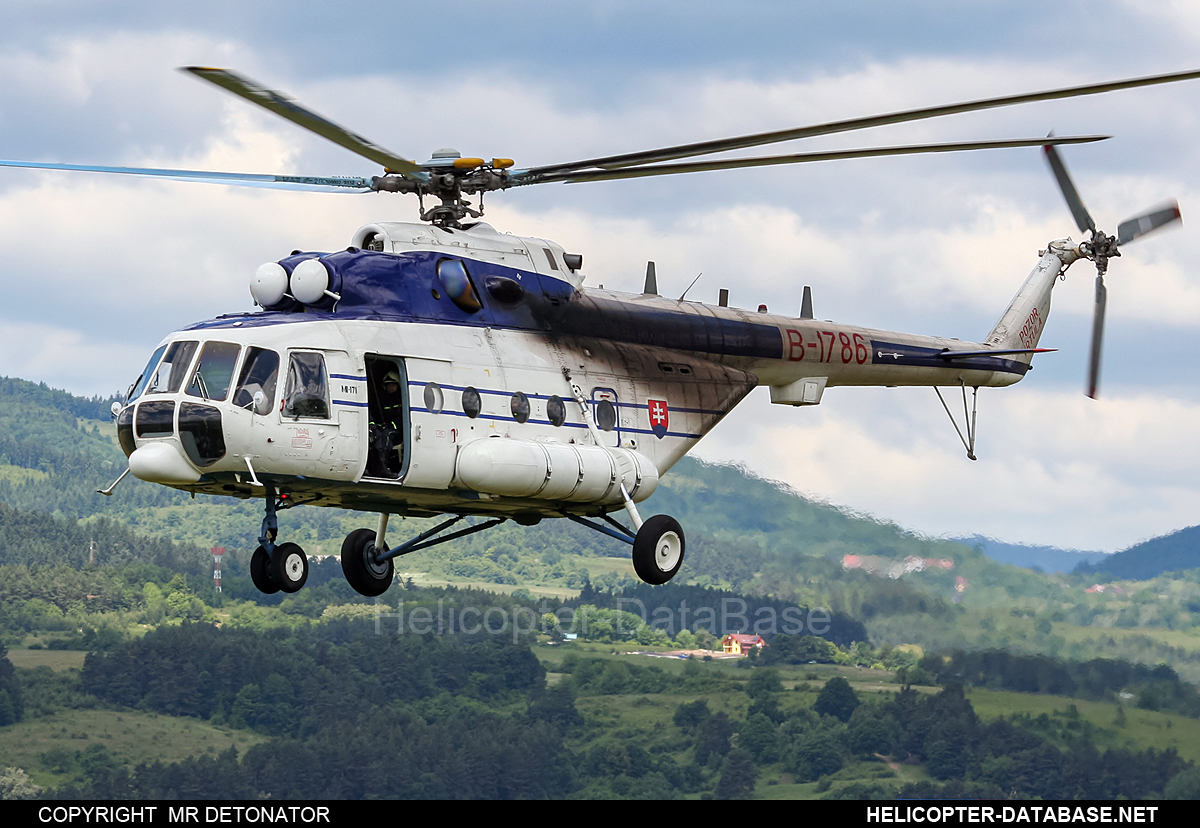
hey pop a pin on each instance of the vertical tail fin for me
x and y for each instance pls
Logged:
(1021, 325)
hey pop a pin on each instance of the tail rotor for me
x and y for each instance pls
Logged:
(1100, 247)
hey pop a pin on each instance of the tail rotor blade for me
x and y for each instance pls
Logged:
(1082, 219)
(1130, 229)
(1097, 337)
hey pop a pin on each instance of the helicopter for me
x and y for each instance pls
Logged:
(442, 368)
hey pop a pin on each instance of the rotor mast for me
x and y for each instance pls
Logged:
(448, 176)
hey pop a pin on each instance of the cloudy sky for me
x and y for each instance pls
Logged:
(95, 270)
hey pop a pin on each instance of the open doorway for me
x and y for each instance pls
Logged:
(387, 406)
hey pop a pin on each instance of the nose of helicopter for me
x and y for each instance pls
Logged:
(162, 462)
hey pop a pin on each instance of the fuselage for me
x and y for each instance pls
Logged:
(493, 340)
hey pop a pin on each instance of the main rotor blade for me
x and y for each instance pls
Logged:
(1083, 219)
(286, 108)
(1148, 222)
(741, 142)
(799, 158)
(1097, 337)
(334, 184)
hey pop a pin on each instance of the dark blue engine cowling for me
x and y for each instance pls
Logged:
(405, 287)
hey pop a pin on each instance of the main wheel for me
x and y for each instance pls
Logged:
(260, 572)
(658, 549)
(289, 567)
(362, 572)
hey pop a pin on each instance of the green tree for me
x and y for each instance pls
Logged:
(738, 776)
(7, 714)
(691, 715)
(712, 738)
(760, 738)
(763, 682)
(871, 731)
(837, 698)
(10, 687)
(814, 755)
(1184, 785)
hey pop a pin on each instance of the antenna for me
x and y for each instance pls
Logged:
(651, 288)
(217, 552)
(806, 308)
(689, 287)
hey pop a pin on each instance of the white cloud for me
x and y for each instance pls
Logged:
(1054, 467)
(64, 358)
(96, 270)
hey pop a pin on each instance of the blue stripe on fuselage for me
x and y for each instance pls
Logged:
(405, 288)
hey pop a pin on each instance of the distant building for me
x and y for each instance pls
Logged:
(740, 643)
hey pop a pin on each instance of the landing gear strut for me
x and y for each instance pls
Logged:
(275, 567)
(658, 545)
(367, 560)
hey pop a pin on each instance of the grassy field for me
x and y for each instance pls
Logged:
(1065, 717)
(133, 736)
(622, 716)
(1142, 729)
(57, 660)
(629, 715)
(1188, 639)
(426, 580)
(17, 474)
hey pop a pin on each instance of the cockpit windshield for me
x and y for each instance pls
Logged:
(139, 385)
(170, 373)
(214, 371)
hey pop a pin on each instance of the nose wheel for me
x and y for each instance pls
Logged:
(289, 567)
(286, 570)
(276, 567)
(260, 572)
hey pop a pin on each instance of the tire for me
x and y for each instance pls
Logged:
(658, 549)
(289, 567)
(260, 572)
(363, 574)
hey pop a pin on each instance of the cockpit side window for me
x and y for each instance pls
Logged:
(139, 385)
(260, 372)
(173, 368)
(214, 371)
(305, 394)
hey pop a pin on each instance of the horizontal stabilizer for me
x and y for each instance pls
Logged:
(990, 352)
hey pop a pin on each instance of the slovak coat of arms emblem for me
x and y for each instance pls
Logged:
(660, 417)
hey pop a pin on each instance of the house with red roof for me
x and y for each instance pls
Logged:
(740, 643)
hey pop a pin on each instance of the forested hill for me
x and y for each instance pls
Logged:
(743, 531)
(1045, 558)
(57, 449)
(1148, 559)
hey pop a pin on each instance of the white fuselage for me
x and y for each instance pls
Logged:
(487, 420)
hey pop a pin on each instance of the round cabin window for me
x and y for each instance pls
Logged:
(556, 411)
(520, 407)
(434, 398)
(471, 402)
(606, 415)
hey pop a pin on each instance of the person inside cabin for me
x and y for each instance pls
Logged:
(387, 423)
